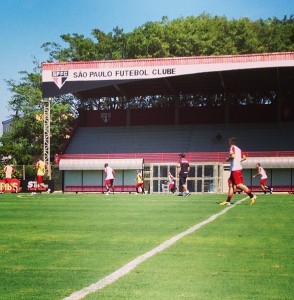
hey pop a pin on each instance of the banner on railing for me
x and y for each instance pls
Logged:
(31, 186)
(26, 186)
(9, 188)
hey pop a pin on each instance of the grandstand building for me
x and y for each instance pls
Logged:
(200, 103)
(6, 125)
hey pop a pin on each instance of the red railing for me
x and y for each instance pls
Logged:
(171, 157)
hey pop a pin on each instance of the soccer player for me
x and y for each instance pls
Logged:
(8, 170)
(109, 178)
(263, 179)
(184, 169)
(236, 177)
(139, 182)
(41, 168)
(171, 182)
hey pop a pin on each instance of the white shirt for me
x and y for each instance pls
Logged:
(109, 173)
(262, 172)
(171, 178)
(8, 171)
(235, 163)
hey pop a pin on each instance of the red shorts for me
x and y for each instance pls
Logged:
(40, 179)
(109, 182)
(263, 181)
(139, 185)
(8, 180)
(236, 177)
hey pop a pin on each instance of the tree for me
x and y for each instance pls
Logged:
(190, 36)
(24, 141)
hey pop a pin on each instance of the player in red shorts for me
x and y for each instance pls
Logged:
(236, 177)
(41, 168)
(8, 170)
(139, 182)
(171, 182)
(109, 178)
(261, 171)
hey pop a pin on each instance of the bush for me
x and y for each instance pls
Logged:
(30, 172)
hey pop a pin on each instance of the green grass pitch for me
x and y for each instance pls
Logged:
(53, 245)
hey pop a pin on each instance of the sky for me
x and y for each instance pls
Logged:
(27, 24)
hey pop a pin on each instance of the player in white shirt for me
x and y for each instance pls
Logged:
(8, 170)
(261, 171)
(109, 178)
(171, 182)
(236, 177)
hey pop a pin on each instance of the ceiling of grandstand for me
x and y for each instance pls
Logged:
(170, 76)
(204, 83)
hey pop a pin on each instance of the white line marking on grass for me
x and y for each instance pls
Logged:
(99, 285)
(24, 196)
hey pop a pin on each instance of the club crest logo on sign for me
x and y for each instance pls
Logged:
(105, 117)
(59, 77)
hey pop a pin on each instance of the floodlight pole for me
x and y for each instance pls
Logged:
(46, 150)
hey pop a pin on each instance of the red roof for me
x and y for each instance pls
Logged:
(170, 61)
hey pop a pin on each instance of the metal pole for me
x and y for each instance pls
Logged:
(47, 134)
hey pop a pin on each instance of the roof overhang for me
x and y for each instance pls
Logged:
(170, 76)
(98, 164)
(269, 162)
